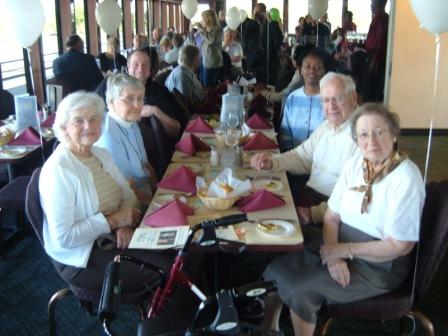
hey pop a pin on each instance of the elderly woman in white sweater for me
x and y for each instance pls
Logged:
(84, 197)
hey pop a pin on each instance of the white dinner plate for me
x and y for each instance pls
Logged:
(275, 228)
(165, 198)
(12, 152)
(268, 184)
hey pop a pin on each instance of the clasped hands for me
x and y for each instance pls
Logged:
(124, 223)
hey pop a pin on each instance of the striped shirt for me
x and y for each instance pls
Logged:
(109, 192)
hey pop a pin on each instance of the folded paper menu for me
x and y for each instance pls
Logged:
(173, 213)
(260, 200)
(259, 142)
(258, 122)
(182, 179)
(191, 144)
(199, 125)
(28, 137)
(159, 238)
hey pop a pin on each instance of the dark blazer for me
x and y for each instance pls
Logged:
(79, 69)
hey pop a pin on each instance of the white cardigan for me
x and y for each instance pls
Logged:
(72, 220)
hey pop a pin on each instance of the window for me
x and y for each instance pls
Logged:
(11, 59)
(296, 9)
(362, 14)
(49, 38)
(79, 20)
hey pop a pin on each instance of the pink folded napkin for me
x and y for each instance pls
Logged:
(260, 141)
(259, 106)
(182, 179)
(259, 200)
(173, 213)
(198, 125)
(49, 121)
(191, 144)
(28, 137)
(258, 122)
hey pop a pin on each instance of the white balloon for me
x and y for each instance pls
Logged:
(432, 14)
(109, 15)
(317, 8)
(189, 8)
(243, 15)
(233, 18)
(26, 20)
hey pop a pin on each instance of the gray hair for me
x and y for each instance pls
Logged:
(187, 55)
(347, 81)
(391, 118)
(118, 82)
(73, 102)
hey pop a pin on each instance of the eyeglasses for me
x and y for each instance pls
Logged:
(376, 133)
(337, 99)
(132, 100)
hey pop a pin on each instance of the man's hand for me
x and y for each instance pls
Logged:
(339, 272)
(261, 161)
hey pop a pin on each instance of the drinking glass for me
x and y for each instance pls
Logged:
(232, 137)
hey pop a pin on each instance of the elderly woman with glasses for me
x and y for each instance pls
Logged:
(86, 198)
(370, 228)
(122, 137)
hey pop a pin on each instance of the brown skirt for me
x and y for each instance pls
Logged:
(304, 284)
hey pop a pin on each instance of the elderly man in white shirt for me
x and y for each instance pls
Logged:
(324, 153)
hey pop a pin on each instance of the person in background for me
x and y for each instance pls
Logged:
(303, 112)
(165, 46)
(376, 46)
(323, 154)
(183, 78)
(310, 32)
(267, 70)
(159, 102)
(172, 55)
(298, 29)
(348, 24)
(212, 35)
(121, 136)
(250, 40)
(111, 60)
(324, 20)
(222, 18)
(370, 229)
(85, 198)
(139, 41)
(78, 69)
(156, 37)
(232, 47)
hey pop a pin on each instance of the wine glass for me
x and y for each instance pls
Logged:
(232, 137)
(232, 120)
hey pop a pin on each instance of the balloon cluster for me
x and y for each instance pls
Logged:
(317, 8)
(432, 14)
(109, 15)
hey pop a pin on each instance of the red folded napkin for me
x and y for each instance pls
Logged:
(182, 179)
(259, 106)
(191, 144)
(49, 121)
(198, 125)
(28, 137)
(173, 213)
(258, 122)
(259, 200)
(260, 141)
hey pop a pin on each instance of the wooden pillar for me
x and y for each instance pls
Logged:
(156, 6)
(36, 70)
(178, 20)
(127, 27)
(92, 28)
(163, 16)
(140, 16)
(64, 23)
(285, 15)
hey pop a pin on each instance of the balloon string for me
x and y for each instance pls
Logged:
(428, 150)
(433, 107)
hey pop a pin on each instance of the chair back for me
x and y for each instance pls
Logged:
(33, 208)
(433, 235)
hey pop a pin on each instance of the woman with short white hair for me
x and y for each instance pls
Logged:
(84, 198)
(122, 136)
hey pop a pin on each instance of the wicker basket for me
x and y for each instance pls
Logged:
(216, 203)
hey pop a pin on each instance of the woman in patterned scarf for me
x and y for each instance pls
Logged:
(370, 228)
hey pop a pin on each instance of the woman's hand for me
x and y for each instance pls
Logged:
(331, 252)
(339, 272)
(304, 215)
(124, 236)
(122, 218)
(261, 161)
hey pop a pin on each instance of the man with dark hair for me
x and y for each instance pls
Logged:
(376, 46)
(79, 70)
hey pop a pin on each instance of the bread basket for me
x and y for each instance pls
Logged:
(216, 203)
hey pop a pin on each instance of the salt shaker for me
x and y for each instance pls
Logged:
(238, 156)
(214, 157)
